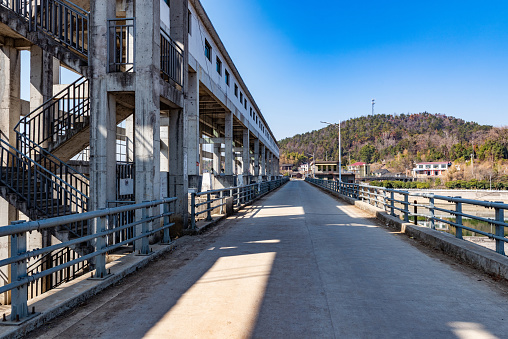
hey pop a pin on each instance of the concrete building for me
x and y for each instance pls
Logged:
(360, 169)
(330, 170)
(156, 81)
(430, 169)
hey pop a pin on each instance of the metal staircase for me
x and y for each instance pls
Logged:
(36, 181)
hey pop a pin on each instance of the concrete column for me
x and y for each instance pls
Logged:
(256, 158)
(164, 147)
(56, 71)
(192, 123)
(41, 76)
(129, 134)
(10, 104)
(103, 110)
(270, 165)
(147, 105)
(228, 144)
(178, 177)
(41, 83)
(217, 159)
(263, 160)
(246, 156)
(10, 111)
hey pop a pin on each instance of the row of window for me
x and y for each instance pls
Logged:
(238, 93)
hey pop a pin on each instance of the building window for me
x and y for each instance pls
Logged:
(245, 104)
(189, 23)
(251, 112)
(226, 76)
(208, 51)
(241, 97)
(219, 66)
(236, 90)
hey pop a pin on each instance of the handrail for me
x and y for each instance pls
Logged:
(241, 195)
(19, 253)
(376, 196)
(171, 59)
(65, 109)
(41, 173)
(63, 20)
(49, 101)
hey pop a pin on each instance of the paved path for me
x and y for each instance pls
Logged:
(302, 266)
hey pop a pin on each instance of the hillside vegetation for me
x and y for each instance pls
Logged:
(397, 141)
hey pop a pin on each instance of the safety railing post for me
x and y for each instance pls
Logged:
(238, 197)
(406, 207)
(193, 210)
(432, 213)
(100, 243)
(221, 210)
(500, 230)
(458, 219)
(208, 207)
(415, 212)
(19, 296)
(166, 239)
(392, 203)
(145, 247)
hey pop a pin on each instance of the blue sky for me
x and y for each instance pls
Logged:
(308, 61)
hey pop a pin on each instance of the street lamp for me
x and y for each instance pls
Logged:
(340, 151)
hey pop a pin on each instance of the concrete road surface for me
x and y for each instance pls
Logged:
(299, 264)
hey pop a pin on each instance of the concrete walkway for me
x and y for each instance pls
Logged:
(304, 265)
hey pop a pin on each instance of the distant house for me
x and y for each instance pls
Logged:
(304, 168)
(430, 169)
(383, 172)
(361, 169)
(329, 170)
(286, 168)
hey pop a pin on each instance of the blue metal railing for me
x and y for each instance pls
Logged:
(19, 254)
(397, 201)
(241, 195)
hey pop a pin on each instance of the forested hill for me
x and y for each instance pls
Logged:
(414, 137)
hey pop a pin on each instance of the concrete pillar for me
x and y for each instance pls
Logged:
(10, 104)
(10, 111)
(178, 177)
(147, 105)
(256, 158)
(164, 149)
(129, 135)
(56, 71)
(246, 156)
(263, 160)
(217, 159)
(192, 129)
(103, 110)
(270, 165)
(41, 84)
(228, 144)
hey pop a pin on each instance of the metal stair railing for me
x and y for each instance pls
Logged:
(38, 187)
(60, 19)
(64, 112)
(171, 59)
